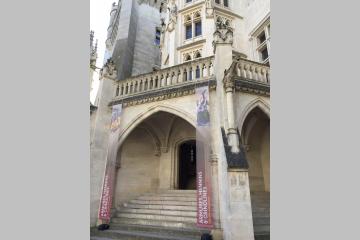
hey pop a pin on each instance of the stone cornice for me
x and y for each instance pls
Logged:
(251, 86)
(163, 93)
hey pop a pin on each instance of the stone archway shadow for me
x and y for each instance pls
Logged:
(152, 110)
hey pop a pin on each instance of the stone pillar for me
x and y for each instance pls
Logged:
(100, 138)
(233, 183)
(241, 221)
(223, 40)
(229, 86)
(217, 231)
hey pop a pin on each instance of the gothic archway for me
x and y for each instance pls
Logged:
(145, 157)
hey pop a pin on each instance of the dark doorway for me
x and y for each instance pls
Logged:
(187, 165)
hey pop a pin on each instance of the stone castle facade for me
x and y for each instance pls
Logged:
(158, 53)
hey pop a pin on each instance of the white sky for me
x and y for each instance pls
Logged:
(99, 21)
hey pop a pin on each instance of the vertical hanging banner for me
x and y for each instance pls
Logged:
(203, 177)
(109, 177)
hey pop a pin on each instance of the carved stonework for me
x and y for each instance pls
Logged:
(163, 94)
(209, 8)
(223, 35)
(224, 32)
(229, 80)
(173, 11)
(109, 70)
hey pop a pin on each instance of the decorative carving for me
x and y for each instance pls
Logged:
(108, 70)
(163, 94)
(209, 8)
(229, 74)
(173, 10)
(224, 32)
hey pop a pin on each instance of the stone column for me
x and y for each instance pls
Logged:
(223, 40)
(229, 86)
(100, 138)
(233, 182)
(241, 220)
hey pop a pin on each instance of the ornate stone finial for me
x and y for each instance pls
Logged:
(229, 81)
(109, 70)
(223, 33)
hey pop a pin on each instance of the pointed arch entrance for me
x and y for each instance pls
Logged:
(147, 157)
(256, 139)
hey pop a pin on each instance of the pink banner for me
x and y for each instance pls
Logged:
(109, 177)
(203, 177)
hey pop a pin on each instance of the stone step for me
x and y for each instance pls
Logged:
(165, 202)
(265, 236)
(264, 228)
(164, 230)
(261, 220)
(261, 215)
(139, 235)
(260, 209)
(151, 222)
(180, 191)
(157, 217)
(167, 198)
(260, 204)
(170, 195)
(159, 211)
(164, 207)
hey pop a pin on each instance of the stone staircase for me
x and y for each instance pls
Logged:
(260, 203)
(167, 215)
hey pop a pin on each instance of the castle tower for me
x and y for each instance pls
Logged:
(133, 36)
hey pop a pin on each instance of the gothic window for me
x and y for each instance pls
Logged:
(187, 57)
(224, 3)
(188, 31)
(197, 54)
(197, 28)
(261, 39)
(197, 20)
(157, 36)
(190, 74)
(193, 27)
(187, 1)
(197, 72)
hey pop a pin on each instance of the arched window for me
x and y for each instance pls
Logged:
(197, 72)
(197, 54)
(187, 57)
(197, 22)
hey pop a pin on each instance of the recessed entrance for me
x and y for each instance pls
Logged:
(187, 165)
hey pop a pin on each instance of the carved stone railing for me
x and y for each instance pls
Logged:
(188, 73)
(252, 77)
(253, 70)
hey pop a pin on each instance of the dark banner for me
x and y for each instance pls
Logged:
(203, 177)
(109, 177)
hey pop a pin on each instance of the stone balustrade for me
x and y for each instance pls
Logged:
(253, 70)
(192, 71)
